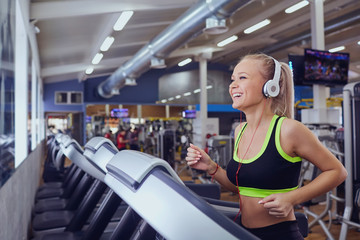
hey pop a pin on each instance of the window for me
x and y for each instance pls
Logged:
(68, 98)
(7, 95)
(76, 98)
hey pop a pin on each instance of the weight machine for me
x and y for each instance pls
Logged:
(351, 106)
(220, 149)
(351, 160)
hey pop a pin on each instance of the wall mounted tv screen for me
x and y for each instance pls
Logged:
(325, 68)
(190, 114)
(119, 113)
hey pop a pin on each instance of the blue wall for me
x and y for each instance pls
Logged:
(145, 92)
(49, 96)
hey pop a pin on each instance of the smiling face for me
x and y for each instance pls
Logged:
(247, 82)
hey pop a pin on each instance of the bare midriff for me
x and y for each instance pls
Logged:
(254, 215)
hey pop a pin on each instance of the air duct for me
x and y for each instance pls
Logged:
(334, 25)
(186, 27)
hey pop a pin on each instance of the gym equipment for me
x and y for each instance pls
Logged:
(74, 187)
(54, 170)
(166, 145)
(98, 152)
(220, 149)
(7, 157)
(71, 178)
(326, 134)
(66, 220)
(151, 188)
(351, 106)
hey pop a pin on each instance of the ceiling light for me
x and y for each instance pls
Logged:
(297, 6)
(122, 20)
(187, 94)
(257, 26)
(184, 62)
(164, 101)
(215, 26)
(89, 70)
(209, 87)
(358, 42)
(336, 49)
(107, 43)
(178, 96)
(171, 98)
(97, 58)
(227, 41)
(197, 90)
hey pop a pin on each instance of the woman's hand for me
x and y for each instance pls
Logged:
(198, 159)
(278, 205)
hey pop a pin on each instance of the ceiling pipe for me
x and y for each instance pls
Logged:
(186, 27)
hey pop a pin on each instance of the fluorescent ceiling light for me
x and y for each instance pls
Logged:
(164, 101)
(187, 94)
(89, 70)
(336, 49)
(184, 62)
(257, 26)
(122, 20)
(170, 99)
(297, 6)
(97, 58)
(197, 90)
(209, 87)
(107, 43)
(178, 96)
(227, 41)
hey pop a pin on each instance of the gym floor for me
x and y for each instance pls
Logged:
(316, 232)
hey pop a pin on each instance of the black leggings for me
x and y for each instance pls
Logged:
(287, 230)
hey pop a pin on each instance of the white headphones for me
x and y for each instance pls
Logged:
(272, 87)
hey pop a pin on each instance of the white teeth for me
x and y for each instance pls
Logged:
(236, 95)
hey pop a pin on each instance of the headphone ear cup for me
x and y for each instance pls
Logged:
(271, 89)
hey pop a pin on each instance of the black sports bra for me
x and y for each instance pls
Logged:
(270, 171)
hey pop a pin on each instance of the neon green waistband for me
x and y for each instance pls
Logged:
(261, 193)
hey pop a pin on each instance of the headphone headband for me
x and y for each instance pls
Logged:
(272, 87)
(277, 71)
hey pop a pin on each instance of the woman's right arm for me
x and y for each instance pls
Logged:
(199, 159)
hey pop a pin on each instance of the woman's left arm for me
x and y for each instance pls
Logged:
(297, 140)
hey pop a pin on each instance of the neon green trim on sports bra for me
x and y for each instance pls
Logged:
(278, 145)
(261, 193)
(267, 138)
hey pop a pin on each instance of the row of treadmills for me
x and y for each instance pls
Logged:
(107, 194)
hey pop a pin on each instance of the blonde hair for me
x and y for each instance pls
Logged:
(283, 104)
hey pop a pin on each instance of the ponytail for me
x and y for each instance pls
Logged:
(283, 104)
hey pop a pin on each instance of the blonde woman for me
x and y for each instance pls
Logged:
(268, 151)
